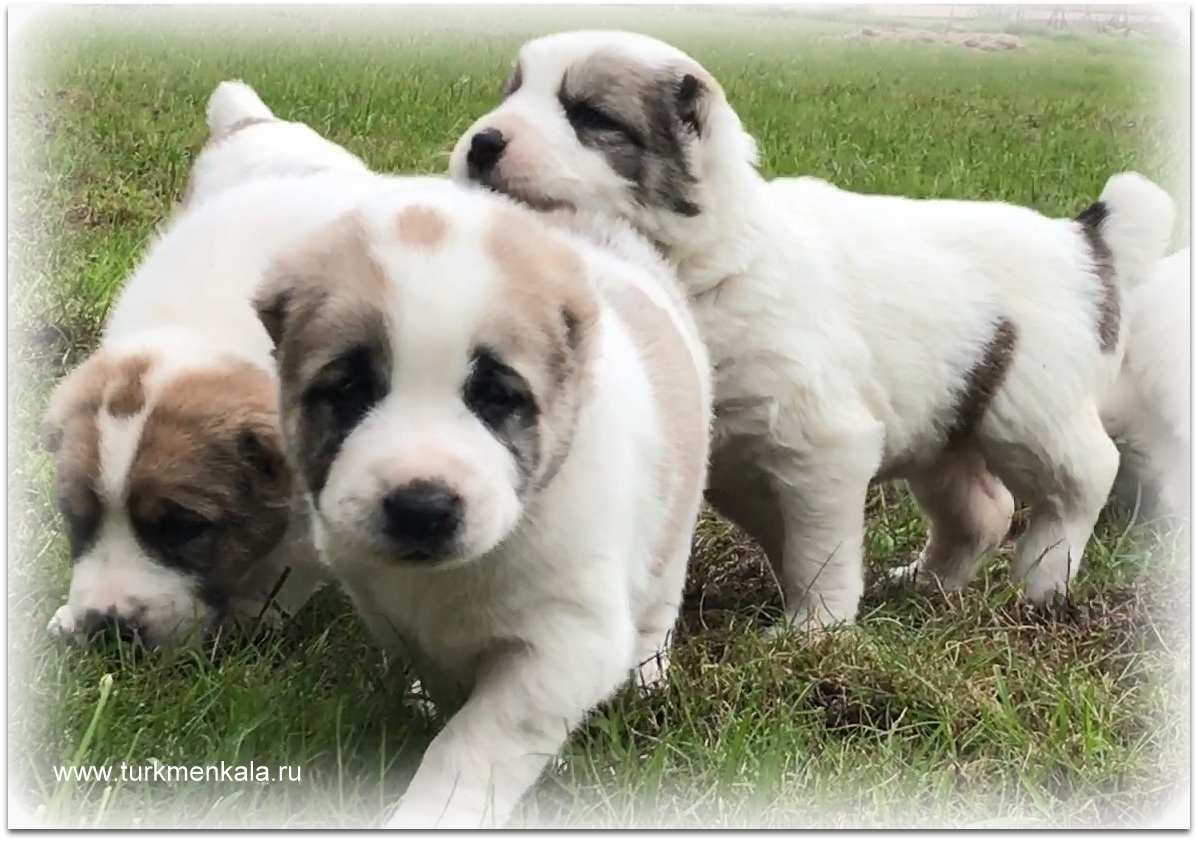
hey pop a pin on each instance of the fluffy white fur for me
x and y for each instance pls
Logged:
(188, 306)
(1149, 410)
(551, 598)
(842, 327)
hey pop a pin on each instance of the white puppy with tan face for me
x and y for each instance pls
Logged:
(963, 346)
(502, 426)
(176, 498)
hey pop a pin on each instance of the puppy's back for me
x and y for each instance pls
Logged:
(200, 273)
(247, 141)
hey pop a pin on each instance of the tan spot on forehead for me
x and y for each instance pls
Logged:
(420, 226)
(126, 391)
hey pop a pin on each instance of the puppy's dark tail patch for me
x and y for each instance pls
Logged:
(1129, 226)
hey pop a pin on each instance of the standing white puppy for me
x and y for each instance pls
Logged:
(963, 346)
(1149, 411)
(502, 428)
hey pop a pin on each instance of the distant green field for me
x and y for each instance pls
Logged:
(932, 711)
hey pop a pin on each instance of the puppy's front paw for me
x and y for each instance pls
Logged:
(906, 574)
(650, 674)
(62, 623)
(809, 623)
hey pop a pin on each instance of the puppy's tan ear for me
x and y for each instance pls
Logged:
(51, 436)
(261, 446)
(273, 303)
(79, 392)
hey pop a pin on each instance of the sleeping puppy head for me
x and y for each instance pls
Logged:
(608, 121)
(433, 353)
(172, 486)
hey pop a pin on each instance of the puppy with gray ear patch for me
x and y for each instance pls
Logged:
(502, 430)
(964, 346)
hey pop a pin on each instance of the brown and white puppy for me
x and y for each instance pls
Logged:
(177, 501)
(502, 427)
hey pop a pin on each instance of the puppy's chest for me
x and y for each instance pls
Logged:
(448, 622)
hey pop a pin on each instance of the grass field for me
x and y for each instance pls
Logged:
(933, 710)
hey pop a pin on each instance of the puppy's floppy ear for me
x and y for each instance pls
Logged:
(261, 446)
(79, 392)
(692, 92)
(273, 303)
(51, 436)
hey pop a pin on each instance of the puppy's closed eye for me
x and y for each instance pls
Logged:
(178, 526)
(585, 117)
(176, 534)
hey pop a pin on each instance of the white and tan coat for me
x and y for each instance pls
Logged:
(502, 424)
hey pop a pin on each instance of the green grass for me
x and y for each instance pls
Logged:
(932, 710)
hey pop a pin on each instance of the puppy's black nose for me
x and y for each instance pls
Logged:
(97, 623)
(485, 150)
(422, 519)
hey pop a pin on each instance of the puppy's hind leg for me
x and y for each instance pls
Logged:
(968, 511)
(1072, 486)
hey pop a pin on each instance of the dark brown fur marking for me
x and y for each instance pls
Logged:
(984, 380)
(1090, 220)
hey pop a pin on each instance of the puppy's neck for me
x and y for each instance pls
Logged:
(723, 239)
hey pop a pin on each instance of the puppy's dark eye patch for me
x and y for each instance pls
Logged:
(178, 526)
(586, 118)
(175, 534)
(348, 387)
(495, 393)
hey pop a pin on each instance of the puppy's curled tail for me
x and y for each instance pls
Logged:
(234, 102)
(1133, 220)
